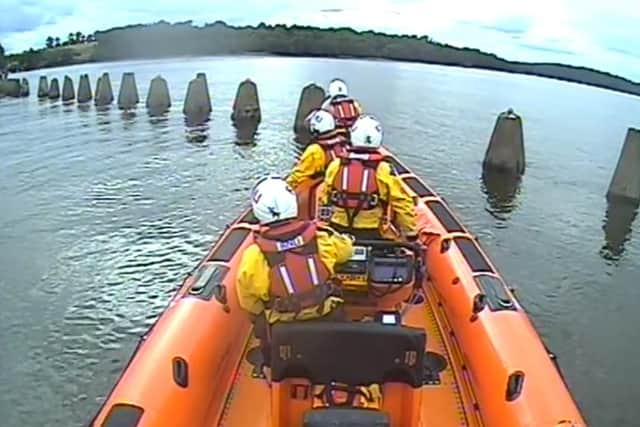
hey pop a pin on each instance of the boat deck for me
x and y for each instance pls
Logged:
(444, 400)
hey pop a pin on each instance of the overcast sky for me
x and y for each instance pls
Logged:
(602, 34)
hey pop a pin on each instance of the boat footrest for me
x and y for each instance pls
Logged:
(346, 417)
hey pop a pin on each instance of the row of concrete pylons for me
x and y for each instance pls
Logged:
(15, 88)
(158, 100)
(505, 152)
(197, 103)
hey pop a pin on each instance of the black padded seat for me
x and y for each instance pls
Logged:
(354, 353)
(345, 417)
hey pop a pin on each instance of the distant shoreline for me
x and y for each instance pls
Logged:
(164, 40)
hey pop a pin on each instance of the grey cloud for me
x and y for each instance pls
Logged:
(622, 51)
(546, 49)
(512, 25)
(23, 16)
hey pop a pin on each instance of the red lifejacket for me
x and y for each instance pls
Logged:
(355, 185)
(333, 144)
(299, 278)
(344, 110)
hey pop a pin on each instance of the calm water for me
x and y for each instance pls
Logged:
(102, 214)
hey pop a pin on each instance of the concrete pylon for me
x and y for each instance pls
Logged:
(43, 87)
(104, 93)
(246, 105)
(203, 76)
(68, 92)
(54, 89)
(621, 212)
(311, 98)
(158, 99)
(84, 89)
(10, 87)
(246, 132)
(24, 87)
(506, 147)
(128, 95)
(197, 104)
(625, 182)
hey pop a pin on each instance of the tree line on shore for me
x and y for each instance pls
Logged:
(162, 39)
(72, 39)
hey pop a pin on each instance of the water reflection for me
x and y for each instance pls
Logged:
(501, 190)
(246, 131)
(196, 128)
(128, 119)
(103, 119)
(159, 120)
(617, 227)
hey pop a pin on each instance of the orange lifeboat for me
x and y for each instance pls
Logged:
(436, 339)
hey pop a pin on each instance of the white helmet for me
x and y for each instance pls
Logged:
(272, 199)
(366, 132)
(337, 87)
(321, 121)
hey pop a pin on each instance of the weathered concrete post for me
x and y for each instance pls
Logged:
(68, 92)
(197, 104)
(97, 87)
(24, 87)
(246, 105)
(84, 89)
(621, 212)
(311, 98)
(506, 147)
(625, 182)
(54, 89)
(203, 76)
(10, 87)
(158, 99)
(43, 87)
(104, 93)
(128, 95)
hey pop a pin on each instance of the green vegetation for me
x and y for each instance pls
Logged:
(51, 57)
(72, 39)
(183, 39)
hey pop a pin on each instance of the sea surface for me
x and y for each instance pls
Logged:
(102, 213)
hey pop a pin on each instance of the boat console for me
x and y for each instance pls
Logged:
(381, 273)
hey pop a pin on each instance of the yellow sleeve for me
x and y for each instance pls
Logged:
(329, 176)
(400, 200)
(252, 282)
(311, 162)
(334, 248)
